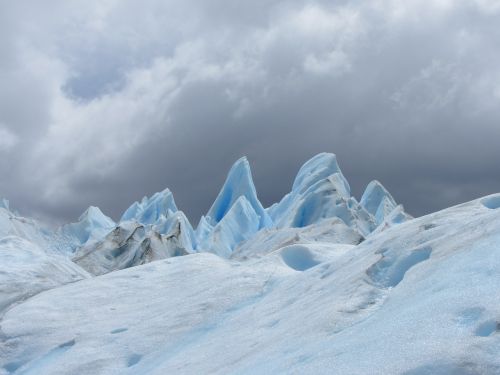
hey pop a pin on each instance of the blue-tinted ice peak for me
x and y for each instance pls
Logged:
(319, 191)
(177, 224)
(150, 210)
(239, 183)
(94, 216)
(316, 169)
(203, 229)
(239, 224)
(92, 224)
(376, 196)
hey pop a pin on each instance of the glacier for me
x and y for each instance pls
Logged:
(91, 225)
(239, 183)
(318, 283)
(150, 210)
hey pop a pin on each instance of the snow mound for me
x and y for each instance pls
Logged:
(25, 270)
(332, 231)
(298, 257)
(389, 271)
(491, 202)
(12, 224)
(420, 297)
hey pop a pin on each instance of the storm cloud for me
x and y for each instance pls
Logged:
(102, 102)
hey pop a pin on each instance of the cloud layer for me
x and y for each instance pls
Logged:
(103, 102)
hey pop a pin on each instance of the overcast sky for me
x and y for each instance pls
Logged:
(102, 102)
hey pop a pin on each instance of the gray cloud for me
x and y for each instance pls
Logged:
(107, 101)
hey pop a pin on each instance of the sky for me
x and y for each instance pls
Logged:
(103, 102)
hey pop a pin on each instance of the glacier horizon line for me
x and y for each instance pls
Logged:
(243, 161)
(319, 192)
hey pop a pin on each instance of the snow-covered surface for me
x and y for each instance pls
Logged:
(417, 298)
(14, 225)
(237, 219)
(318, 283)
(332, 231)
(25, 270)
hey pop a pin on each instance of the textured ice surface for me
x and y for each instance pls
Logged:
(317, 169)
(376, 195)
(150, 210)
(417, 298)
(131, 244)
(318, 283)
(239, 183)
(236, 214)
(11, 224)
(177, 224)
(332, 231)
(150, 230)
(492, 202)
(26, 269)
(298, 257)
(240, 223)
(91, 225)
(320, 191)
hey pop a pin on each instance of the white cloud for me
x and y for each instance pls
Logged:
(7, 139)
(334, 63)
(488, 6)
(263, 67)
(434, 87)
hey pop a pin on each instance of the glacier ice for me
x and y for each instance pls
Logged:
(420, 297)
(150, 210)
(298, 287)
(492, 202)
(240, 223)
(203, 230)
(331, 231)
(26, 270)
(319, 168)
(236, 221)
(177, 223)
(235, 216)
(239, 183)
(4, 203)
(320, 191)
(12, 224)
(129, 244)
(91, 225)
(377, 201)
